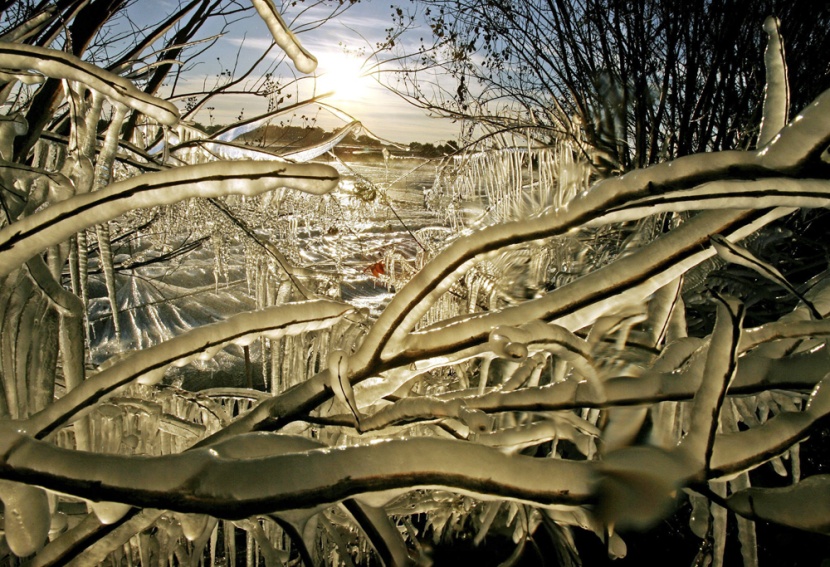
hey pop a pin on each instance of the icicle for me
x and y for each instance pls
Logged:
(287, 370)
(26, 515)
(746, 528)
(146, 545)
(249, 549)
(483, 373)
(102, 178)
(795, 462)
(264, 353)
(105, 255)
(214, 538)
(109, 512)
(219, 271)
(230, 541)
(700, 516)
(309, 153)
(718, 525)
(473, 282)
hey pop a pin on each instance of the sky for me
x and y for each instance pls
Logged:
(361, 26)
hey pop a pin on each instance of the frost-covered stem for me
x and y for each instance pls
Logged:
(29, 236)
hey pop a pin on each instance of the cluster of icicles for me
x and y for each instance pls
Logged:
(514, 182)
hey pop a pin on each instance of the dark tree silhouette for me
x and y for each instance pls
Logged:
(637, 82)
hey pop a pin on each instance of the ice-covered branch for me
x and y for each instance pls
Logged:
(755, 374)
(60, 65)
(802, 505)
(29, 236)
(304, 61)
(725, 194)
(629, 280)
(784, 330)
(777, 89)
(198, 480)
(718, 372)
(735, 452)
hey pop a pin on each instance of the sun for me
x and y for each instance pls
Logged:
(345, 76)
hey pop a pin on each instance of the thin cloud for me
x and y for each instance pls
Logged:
(361, 26)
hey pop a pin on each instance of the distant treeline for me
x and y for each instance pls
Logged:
(276, 138)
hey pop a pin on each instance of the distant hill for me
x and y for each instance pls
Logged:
(352, 148)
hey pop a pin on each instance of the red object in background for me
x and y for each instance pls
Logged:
(377, 269)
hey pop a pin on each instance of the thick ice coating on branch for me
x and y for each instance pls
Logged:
(60, 65)
(721, 365)
(31, 235)
(777, 91)
(197, 480)
(304, 61)
(798, 506)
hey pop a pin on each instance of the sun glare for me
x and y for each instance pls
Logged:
(344, 76)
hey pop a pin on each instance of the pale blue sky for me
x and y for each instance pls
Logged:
(362, 25)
